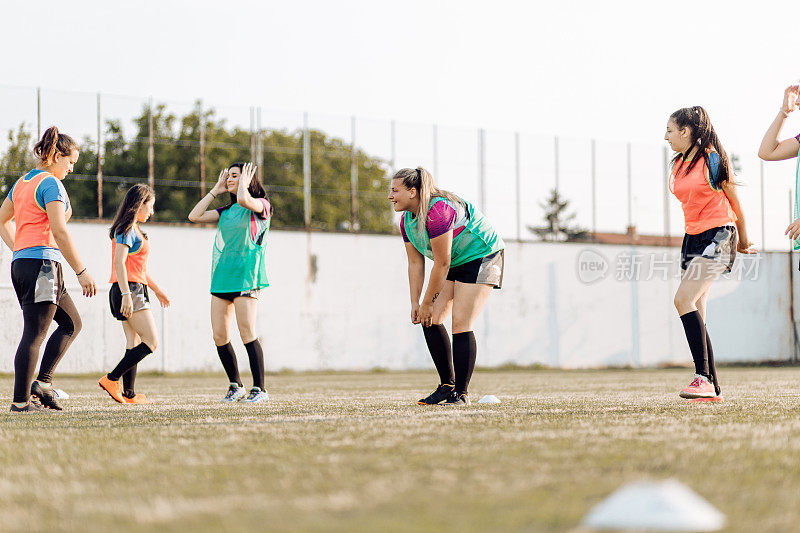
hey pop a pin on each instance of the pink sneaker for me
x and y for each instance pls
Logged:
(700, 387)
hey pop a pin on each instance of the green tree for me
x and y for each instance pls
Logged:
(559, 226)
(18, 158)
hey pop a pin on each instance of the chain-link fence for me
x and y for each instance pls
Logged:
(331, 173)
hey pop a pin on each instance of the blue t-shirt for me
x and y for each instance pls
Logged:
(49, 190)
(131, 239)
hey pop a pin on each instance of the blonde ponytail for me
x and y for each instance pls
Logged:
(422, 180)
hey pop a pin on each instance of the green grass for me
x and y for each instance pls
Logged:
(352, 452)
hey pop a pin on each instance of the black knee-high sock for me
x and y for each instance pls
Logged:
(228, 358)
(711, 367)
(438, 342)
(131, 358)
(256, 356)
(128, 380)
(696, 336)
(465, 351)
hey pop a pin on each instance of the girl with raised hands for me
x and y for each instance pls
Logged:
(40, 206)
(467, 257)
(129, 296)
(774, 149)
(702, 179)
(238, 271)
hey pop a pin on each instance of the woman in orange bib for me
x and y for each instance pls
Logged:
(702, 179)
(39, 205)
(129, 297)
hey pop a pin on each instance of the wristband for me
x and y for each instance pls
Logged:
(785, 114)
(124, 293)
(81, 272)
(212, 194)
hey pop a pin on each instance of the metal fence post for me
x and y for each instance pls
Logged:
(518, 177)
(306, 173)
(202, 152)
(482, 169)
(151, 153)
(763, 224)
(436, 151)
(252, 133)
(630, 188)
(259, 146)
(38, 113)
(393, 146)
(667, 230)
(99, 159)
(555, 168)
(594, 186)
(353, 177)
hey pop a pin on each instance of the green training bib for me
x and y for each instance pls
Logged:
(478, 238)
(238, 263)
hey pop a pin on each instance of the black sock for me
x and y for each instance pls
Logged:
(711, 367)
(438, 342)
(256, 356)
(228, 358)
(696, 336)
(128, 379)
(132, 357)
(465, 351)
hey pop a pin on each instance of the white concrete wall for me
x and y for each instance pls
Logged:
(355, 313)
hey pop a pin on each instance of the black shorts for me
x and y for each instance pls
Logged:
(484, 270)
(37, 281)
(139, 294)
(231, 296)
(716, 244)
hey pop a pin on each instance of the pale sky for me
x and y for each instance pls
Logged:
(584, 69)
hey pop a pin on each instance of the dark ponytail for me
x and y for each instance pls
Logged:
(53, 143)
(255, 188)
(702, 134)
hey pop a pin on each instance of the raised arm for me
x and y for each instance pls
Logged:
(200, 212)
(773, 149)
(416, 278)
(56, 213)
(243, 197)
(6, 227)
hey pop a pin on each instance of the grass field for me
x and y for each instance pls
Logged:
(352, 452)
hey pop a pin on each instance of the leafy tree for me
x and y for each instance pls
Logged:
(558, 224)
(18, 156)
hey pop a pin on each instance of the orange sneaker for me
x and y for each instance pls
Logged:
(138, 399)
(700, 387)
(705, 400)
(113, 388)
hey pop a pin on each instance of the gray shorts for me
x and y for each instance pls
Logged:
(486, 270)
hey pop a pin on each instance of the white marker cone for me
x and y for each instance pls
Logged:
(489, 398)
(657, 506)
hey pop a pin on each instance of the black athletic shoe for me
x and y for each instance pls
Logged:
(46, 396)
(31, 407)
(441, 393)
(458, 399)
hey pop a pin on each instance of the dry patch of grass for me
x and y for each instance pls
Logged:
(350, 452)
